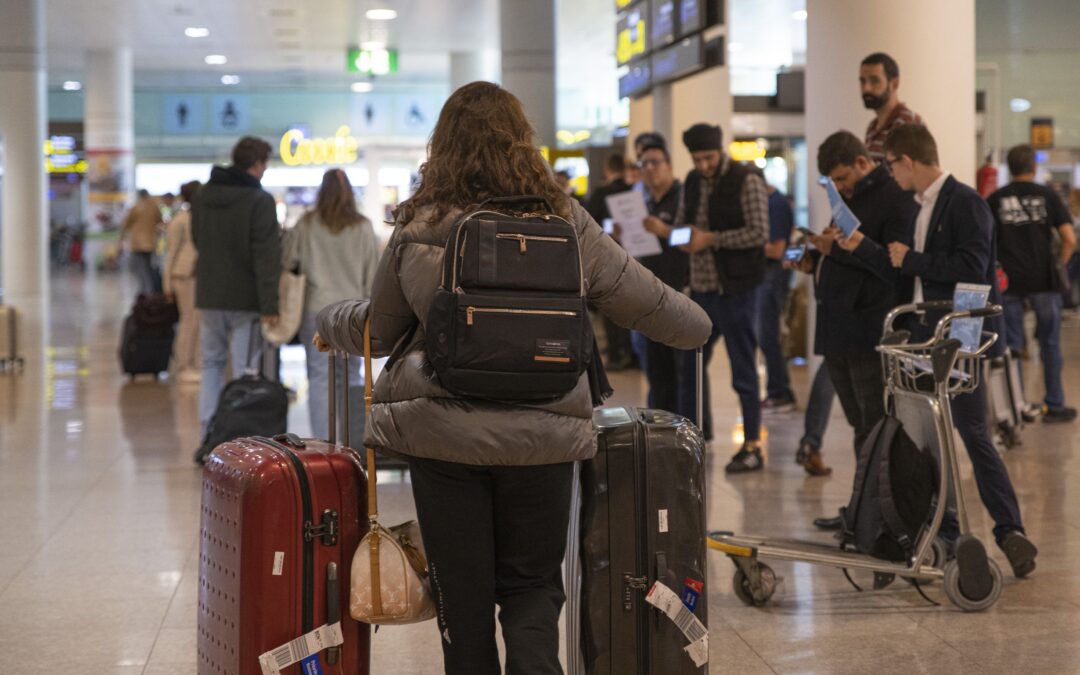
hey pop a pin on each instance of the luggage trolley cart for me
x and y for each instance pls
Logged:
(920, 379)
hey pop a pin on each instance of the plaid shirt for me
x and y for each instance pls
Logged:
(754, 200)
(875, 137)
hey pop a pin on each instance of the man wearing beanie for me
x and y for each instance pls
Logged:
(727, 206)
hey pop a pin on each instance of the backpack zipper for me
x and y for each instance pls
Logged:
(469, 311)
(523, 238)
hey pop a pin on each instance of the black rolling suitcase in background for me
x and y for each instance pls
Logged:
(636, 550)
(146, 339)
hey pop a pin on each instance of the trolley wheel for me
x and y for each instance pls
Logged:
(745, 589)
(938, 556)
(956, 594)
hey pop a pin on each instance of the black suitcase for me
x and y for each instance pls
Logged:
(642, 521)
(145, 348)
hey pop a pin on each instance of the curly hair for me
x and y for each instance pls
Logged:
(482, 147)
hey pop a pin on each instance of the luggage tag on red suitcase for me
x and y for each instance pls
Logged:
(665, 599)
(300, 649)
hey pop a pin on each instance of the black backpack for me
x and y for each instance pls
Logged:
(509, 320)
(895, 487)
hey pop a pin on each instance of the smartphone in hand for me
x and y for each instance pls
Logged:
(794, 254)
(680, 236)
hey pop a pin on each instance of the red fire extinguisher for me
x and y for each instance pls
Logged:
(986, 178)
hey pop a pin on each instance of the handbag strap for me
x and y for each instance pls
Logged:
(373, 496)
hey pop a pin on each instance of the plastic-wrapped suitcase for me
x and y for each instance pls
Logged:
(636, 546)
(1006, 399)
(281, 520)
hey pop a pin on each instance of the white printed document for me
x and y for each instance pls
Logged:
(629, 212)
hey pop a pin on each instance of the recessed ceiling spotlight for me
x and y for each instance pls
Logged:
(216, 60)
(230, 79)
(799, 15)
(196, 32)
(381, 14)
(72, 85)
(361, 87)
(1019, 105)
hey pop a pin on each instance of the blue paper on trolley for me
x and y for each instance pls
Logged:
(969, 331)
(841, 213)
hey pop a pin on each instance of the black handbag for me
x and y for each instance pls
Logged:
(509, 319)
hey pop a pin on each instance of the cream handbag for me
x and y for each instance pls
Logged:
(389, 571)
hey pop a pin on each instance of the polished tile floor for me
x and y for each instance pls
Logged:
(100, 505)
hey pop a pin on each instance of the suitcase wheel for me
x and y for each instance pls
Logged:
(754, 582)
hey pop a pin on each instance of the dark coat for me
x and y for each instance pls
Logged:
(235, 228)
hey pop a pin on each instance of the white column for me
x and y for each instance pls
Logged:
(466, 67)
(934, 44)
(527, 29)
(110, 134)
(23, 113)
(704, 97)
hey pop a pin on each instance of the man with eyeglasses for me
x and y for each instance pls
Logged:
(954, 243)
(663, 192)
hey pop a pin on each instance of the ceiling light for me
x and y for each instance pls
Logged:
(1019, 105)
(196, 32)
(216, 60)
(372, 46)
(72, 85)
(381, 14)
(799, 15)
(230, 79)
(361, 87)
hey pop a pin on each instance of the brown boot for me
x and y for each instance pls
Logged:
(812, 462)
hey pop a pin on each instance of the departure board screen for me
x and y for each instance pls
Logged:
(663, 23)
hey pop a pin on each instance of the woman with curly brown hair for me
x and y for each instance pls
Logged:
(491, 479)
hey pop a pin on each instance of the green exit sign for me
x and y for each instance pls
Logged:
(372, 61)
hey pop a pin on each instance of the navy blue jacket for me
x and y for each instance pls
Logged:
(959, 248)
(856, 290)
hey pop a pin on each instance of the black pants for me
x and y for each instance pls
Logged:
(495, 535)
(860, 386)
(662, 365)
(991, 476)
(620, 354)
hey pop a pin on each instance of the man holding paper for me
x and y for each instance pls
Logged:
(953, 244)
(726, 207)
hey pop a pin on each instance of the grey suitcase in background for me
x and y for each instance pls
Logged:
(637, 518)
(1005, 398)
(9, 339)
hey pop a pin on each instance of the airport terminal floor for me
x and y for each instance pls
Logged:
(100, 504)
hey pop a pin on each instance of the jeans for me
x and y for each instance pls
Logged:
(661, 365)
(772, 297)
(318, 374)
(224, 332)
(991, 476)
(142, 266)
(733, 316)
(1047, 308)
(860, 385)
(818, 408)
(495, 535)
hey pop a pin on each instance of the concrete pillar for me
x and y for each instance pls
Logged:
(23, 114)
(938, 82)
(466, 67)
(110, 135)
(703, 97)
(527, 29)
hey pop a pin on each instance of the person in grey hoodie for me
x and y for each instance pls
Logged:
(336, 249)
(234, 227)
(491, 479)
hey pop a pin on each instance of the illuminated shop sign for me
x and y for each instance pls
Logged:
(746, 151)
(620, 5)
(60, 156)
(297, 150)
(632, 35)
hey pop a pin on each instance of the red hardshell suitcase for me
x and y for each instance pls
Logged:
(277, 514)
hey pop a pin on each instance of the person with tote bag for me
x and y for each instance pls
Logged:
(492, 476)
(335, 248)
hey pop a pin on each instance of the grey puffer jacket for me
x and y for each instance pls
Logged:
(413, 415)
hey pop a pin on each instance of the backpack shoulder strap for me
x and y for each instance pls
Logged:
(889, 513)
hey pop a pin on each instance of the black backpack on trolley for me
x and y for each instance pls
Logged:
(509, 320)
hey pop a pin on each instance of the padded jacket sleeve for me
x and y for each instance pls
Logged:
(631, 296)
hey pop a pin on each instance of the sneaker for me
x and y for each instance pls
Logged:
(772, 406)
(1031, 412)
(748, 458)
(1054, 415)
(1020, 552)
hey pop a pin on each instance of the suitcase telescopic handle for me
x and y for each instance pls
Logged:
(333, 607)
(336, 400)
(699, 357)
